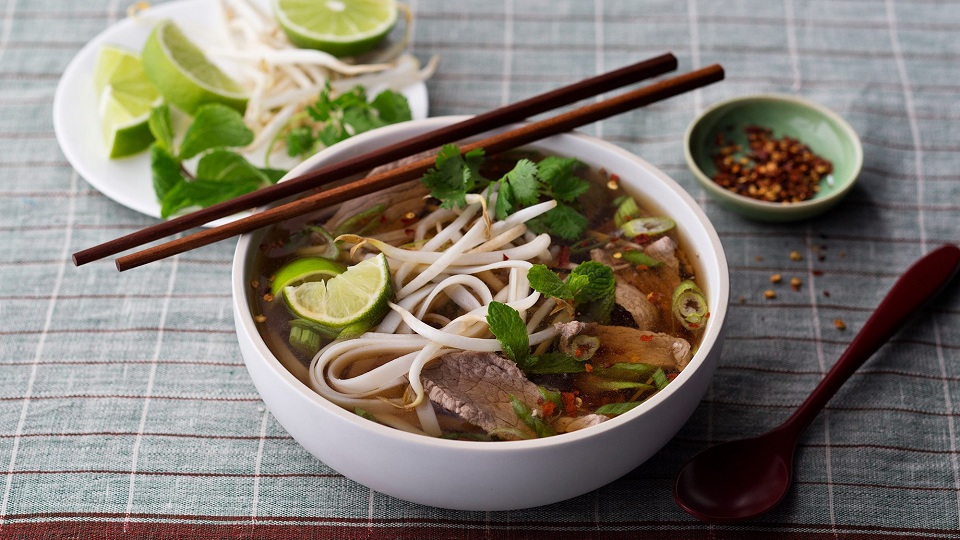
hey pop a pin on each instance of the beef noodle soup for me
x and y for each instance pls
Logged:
(500, 298)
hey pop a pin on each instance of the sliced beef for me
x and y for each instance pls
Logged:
(621, 344)
(645, 314)
(477, 386)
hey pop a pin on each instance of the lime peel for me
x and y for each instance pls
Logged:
(339, 27)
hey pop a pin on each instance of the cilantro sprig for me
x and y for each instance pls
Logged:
(509, 329)
(333, 119)
(528, 183)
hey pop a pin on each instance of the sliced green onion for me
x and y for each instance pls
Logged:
(363, 413)
(537, 424)
(613, 409)
(640, 258)
(660, 379)
(627, 209)
(625, 371)
(583, 347)
(551, 396)
(690, 305)
(648, 226)
(333, 250)
(362, 222)
(599, 384)
(304, 339)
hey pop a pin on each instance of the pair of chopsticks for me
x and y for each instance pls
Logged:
(478, 124)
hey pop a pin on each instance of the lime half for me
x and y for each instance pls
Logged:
(339, 27)
(352, 301)
(303, 270)
(125, 97)
(183, 75)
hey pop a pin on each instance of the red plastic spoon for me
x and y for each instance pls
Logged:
(739, 480)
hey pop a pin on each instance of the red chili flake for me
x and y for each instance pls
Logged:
(548, 408)
(569, 402)
(672, 376)
(578, 353)
(408, 232)
(563, 259)
(646, 337)
(642, 267)
(615, 177)
(587, 367)
(818, 272)
(506, 258)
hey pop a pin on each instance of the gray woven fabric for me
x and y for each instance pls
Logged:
(125, 406)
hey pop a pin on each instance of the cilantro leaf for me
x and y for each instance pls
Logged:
(557, 173)
(523, 182)
(453, 175)
(300, 141)
(565, 222)
(504, 207)
(392, 107)
(214, 126)
(510, 331)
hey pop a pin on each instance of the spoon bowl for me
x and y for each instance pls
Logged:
(740, 480)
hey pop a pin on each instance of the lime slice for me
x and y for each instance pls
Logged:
(352, 301)
(303, 270)
(339, 27)
(183, 75)
(125, 97)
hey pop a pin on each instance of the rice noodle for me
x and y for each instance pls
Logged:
(466, 262)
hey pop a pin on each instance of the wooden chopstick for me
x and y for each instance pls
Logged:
(472, 126)
(497, 143)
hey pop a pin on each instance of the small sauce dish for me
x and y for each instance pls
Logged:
(822, 130)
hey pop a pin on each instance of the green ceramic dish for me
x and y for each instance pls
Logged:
(821, 129)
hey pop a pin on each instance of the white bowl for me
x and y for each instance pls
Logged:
(468, 475)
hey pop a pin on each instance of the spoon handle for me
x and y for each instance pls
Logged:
(919, 283)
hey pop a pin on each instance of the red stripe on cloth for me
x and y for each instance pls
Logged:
(137, 530)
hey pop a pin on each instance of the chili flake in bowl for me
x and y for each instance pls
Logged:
(773, 157)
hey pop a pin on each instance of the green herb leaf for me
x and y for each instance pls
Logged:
(626, 371)
(557, 173)
(203, 193)
(537, 424)
(523, 182)
(300, 141)
(224, 165)
(565, 222)
(554, 363)
(504, 205)
(613, 409)
(161, 127)
(552, 396)
(510, 331)
(214, 126)
(165, 170)
(392, 107)
(453, 175)
(548, 283)
(273, 175)
(600, 281)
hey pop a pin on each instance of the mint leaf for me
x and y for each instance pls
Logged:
(161, 127)
(599, 296)
(511, 332)
(392, 107)
(554, 363)
(214, 126)
(165, 170)
(203, 193)
(224, 165)
(273, 175)
(548, 283)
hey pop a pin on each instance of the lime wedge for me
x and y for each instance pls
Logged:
(339, 27)
(303, 270)
(183, 75)
(125, 97)
(350, 302)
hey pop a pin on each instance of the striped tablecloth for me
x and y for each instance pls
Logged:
(125, 410)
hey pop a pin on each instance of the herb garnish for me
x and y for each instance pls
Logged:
(525, 185)
(221, 174)
(510, 330)
(590, 288)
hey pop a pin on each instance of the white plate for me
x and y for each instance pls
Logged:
(127, 181)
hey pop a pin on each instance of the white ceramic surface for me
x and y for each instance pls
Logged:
(471, 475)
(128, 180)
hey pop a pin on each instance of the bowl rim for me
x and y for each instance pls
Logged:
(766, 206)
(711, 337)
